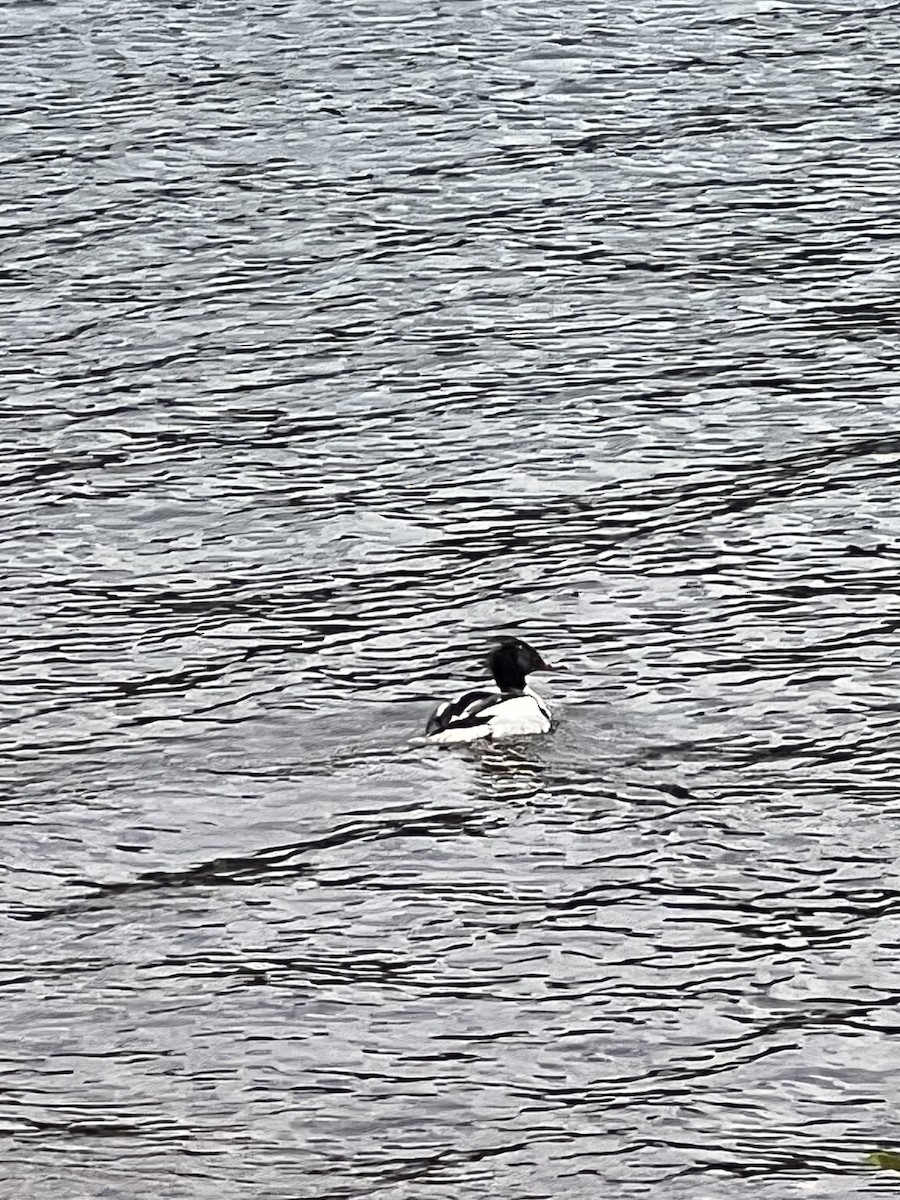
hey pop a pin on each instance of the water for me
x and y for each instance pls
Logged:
(337, 340)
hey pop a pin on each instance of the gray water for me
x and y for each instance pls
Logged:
(337, 339)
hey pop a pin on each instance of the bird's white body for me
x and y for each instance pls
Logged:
(479, 715)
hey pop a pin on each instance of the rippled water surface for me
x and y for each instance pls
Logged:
(337, 339)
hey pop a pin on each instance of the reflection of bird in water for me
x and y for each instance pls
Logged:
(510, 772)
(512, 710)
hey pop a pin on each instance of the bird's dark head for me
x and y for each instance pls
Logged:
(511, 660)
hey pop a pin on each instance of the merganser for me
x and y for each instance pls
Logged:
(511, 711)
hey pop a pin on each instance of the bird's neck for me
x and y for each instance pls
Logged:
(509, 678)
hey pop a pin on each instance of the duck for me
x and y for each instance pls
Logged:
(512, 710)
